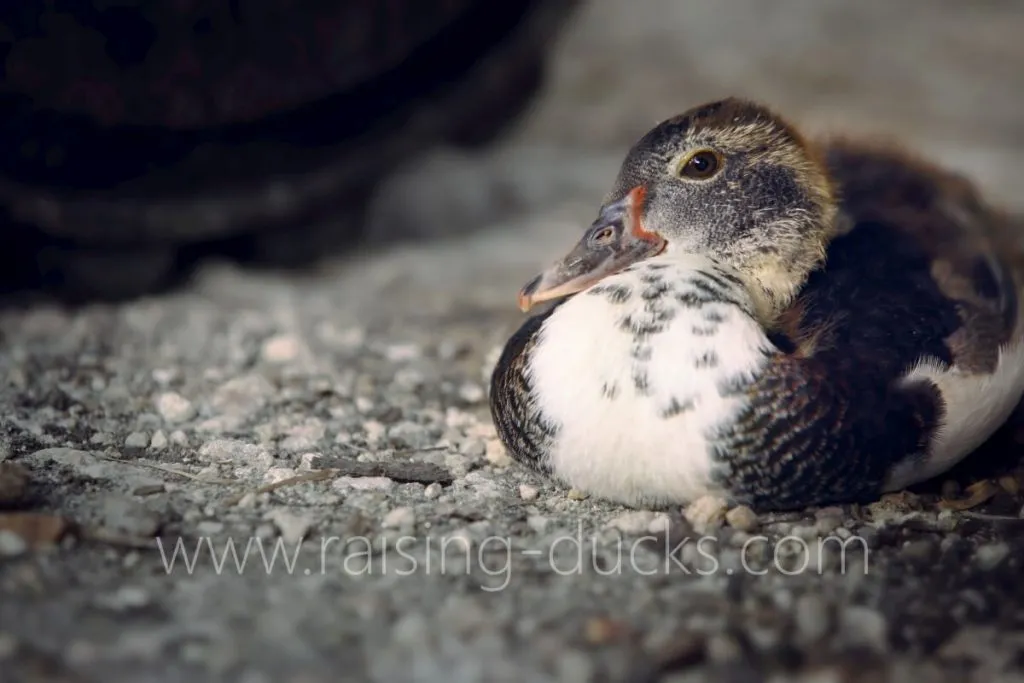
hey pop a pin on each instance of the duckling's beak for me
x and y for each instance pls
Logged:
(614, 241)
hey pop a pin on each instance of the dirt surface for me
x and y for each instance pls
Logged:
(160, 428)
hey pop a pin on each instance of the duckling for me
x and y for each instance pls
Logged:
(774, 321)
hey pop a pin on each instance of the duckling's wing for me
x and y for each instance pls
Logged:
(974, 255)
(925, 285)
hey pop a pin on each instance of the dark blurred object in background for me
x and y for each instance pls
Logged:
(137, 135)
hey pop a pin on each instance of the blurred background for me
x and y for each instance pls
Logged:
(137, 139)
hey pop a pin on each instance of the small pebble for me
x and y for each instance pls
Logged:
(240, 452)
(864, 627)
(209, 528)
(528, 493)
(242, 396)
(159, 441)
(483, 486)
(409, 435)
(248, 500)
(742, 518)
(706, 513)
(449, 350)
(164, 376)
(497, 455)
(538, 523)
(634, 522)
(310, 461)
(293, 527)
(472, 393)
(278, 474)
(573, 666)
(174, 407)
(397, 353)
(402, 518)
(661, 524)
(283, 348)
(304, 437)
(363, 484)
(136, 443)
(14, 480)
(473, 448)
(124, 599)
(11, 544)
(600, 630)
(990, 555)
(179, 438)
(129, 517)
(374, 430)
(432, 491)
(921, 550)
(811, 617)
(827, 524)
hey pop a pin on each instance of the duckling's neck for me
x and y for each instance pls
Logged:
(657, 354)
(775, 273)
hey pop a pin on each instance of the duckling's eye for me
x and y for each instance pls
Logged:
(700, 165)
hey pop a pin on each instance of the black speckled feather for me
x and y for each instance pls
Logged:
(524, 431)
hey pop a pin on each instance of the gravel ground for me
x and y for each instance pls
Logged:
(340, 418)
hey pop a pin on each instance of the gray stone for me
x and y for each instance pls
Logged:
(242, 396)
(862, 626)
(125, 599)
(402, 518)
(293, 526)
(238, 452)
(128, 517)
(635, 522)
(706, 513)
(159, 441)
(409, 435)
(174, 408)
(11, 544)
(304, 437)
(83, 463)
(812, 618)
(282, 348)
(136, 443)
(991, 555)
(528, 493)
(742, 518)
(363, 484)
(209, 527)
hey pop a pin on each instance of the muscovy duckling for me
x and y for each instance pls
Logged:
(767, 320)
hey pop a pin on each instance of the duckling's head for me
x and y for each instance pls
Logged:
(730, 180)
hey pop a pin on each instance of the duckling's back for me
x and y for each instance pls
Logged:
(924, 281)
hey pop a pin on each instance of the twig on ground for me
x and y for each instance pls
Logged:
(172, 470)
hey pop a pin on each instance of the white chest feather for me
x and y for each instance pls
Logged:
(633, 380)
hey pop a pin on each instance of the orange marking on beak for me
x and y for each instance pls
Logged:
(637, 196)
